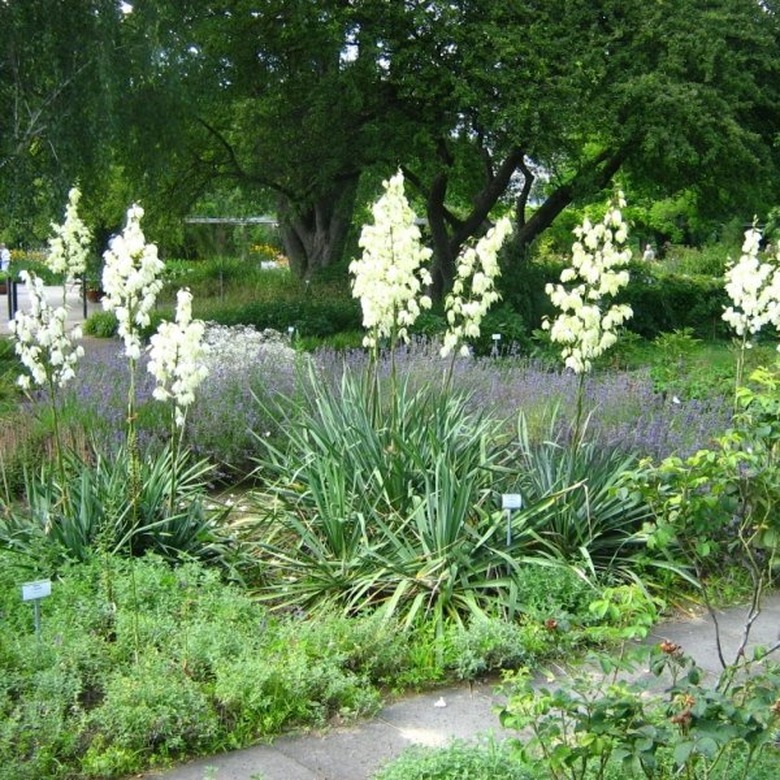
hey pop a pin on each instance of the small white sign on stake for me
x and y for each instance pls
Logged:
(36, 590)
(510, 501)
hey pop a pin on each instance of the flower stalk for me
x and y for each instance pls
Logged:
(176, 361)
(586, 327)
(390, 277)
(48, 354)
(754, 289)
(131, 285)
(473, 291)
(69, 244)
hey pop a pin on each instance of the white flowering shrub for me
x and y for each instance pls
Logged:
(237, 347)
(474, 291)
(69, 245)
(176, 357)
(131, 281)
(389, 278)
(45, 348)
(754, 289)
(597, 271)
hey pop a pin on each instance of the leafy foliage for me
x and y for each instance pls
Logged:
(92, 511)
(603, 717)
(458, 761)
(388, 506)
(587, 523)
(213, 670)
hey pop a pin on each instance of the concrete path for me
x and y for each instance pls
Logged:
(436, 718)
(9, 304)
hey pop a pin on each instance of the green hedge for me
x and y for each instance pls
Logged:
(665, 303)
(308, 317)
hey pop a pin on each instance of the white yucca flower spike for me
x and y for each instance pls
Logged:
(754, 289)
(45, 348)
(69, 245)
(473, 290)
(390, 275)
(176, 357)
(597, 270)
(131, 281)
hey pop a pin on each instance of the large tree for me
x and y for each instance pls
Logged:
(281, 96)
(58, 69)
(473, 98)
(674, 94)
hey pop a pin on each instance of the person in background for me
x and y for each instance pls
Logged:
(649, 254)
(5, 259)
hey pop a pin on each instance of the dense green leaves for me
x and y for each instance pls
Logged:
(482, 103)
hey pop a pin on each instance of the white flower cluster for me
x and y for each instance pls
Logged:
(389, 276)
(176, 357)
(477, 269)
(44, 347)
(238, 347)
(598, 265)
(754, 289)
(69, 246)
(131, 281)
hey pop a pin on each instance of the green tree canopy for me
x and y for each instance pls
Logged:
(58, 89)
(296, 102)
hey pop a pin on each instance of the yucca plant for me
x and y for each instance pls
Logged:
(588, 524)
(100, 513)
(400, 515)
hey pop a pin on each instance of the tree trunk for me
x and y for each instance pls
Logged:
(443, 260)
(592, 178)
(448, 233)
(314, 236)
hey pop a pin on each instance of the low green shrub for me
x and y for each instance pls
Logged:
(457, 761)
(139, 663)
(607, 720)
(661, 301)
(392, 495)
(309, 317)
(101, 324)
(707, 260)
(33, 262)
